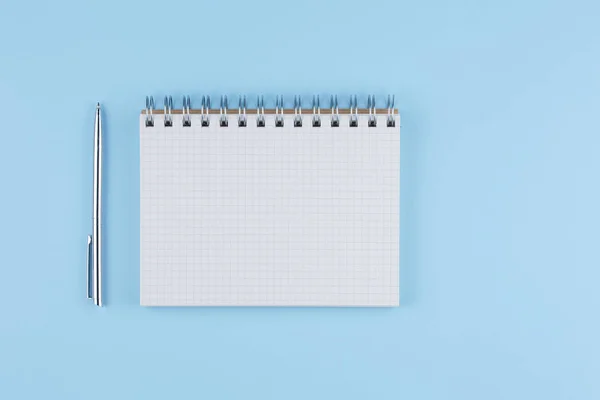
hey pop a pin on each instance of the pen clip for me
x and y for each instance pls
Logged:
(88, 266)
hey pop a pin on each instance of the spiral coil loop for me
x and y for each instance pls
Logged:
(372, 112)
(297, 112)
(187, 118)
(149, 107)
(391, 122)
(353, 112)
(279, 112)
(205, 118)
(260, 112)
(168, 105)
(316, 106)
(335, 112)
(242, 120)
(223, 121)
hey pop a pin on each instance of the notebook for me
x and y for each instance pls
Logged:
(286, 206)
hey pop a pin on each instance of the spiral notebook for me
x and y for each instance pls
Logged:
(286, 206)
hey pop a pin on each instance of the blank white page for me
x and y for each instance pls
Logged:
(269, 216)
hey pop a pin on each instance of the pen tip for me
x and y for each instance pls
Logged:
(98, 105)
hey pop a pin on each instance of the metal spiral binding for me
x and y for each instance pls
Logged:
(149, 108)
(260, 112)
(187, 119)
(316, 106)
(223, 122)
(369, 114)
(242, 120)
(372, 112)
(279, 112)
(168, 111)
(391, 122)
(335, 112)
(205, 106)
(297, 112)
(353, 112)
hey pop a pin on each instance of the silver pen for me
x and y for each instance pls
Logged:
(94, 241)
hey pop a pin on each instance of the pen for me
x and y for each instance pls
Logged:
(94, 240)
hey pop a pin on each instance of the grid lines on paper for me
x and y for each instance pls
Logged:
(269, 216)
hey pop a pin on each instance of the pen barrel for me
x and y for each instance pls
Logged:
(97, 212)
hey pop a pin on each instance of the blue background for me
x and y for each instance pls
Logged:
(499, 216)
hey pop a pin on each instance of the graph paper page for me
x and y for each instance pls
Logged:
(269, 216)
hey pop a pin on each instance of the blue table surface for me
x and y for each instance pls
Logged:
(499, 199)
